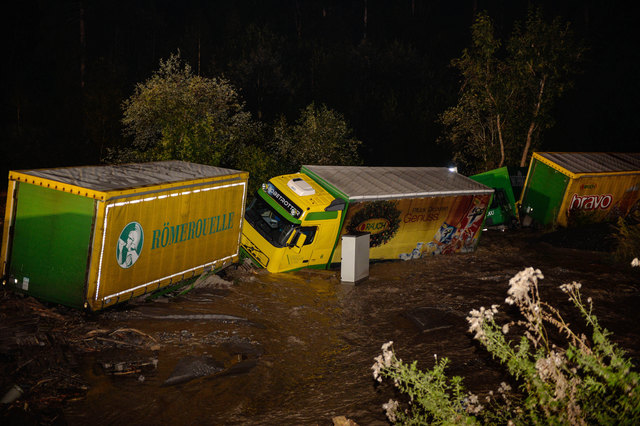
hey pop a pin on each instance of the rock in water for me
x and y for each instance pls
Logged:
(430, 319)
(241, 367)
(192, 367)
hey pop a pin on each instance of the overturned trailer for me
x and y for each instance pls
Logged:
(95, 236)
(593, 186)
(502, 211)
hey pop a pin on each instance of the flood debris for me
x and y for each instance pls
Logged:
(212, 281)
(129, 367)
(38, 367)
(121, 337)
(12, 394)
(343, 421)
(199, 317)
(123, 352)
(245, 271)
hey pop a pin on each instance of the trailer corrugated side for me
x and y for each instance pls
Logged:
(597, 186)
(98, 235)
(409, 211)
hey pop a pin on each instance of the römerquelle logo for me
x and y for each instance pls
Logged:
(129, 244)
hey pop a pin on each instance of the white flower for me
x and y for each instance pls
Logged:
(504, 387)
(570, 287)
(520, 284)
(477, 318)
(505, 329)
(548, 367)
(635, 262)
(377, 367)
(390, 408)
(382, 361)
(387, 353)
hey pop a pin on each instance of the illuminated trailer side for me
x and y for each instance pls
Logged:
(98, 235)
(590, 186)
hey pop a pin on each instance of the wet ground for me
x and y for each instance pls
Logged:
(287, 348)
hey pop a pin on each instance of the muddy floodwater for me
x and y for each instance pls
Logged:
(297, 348)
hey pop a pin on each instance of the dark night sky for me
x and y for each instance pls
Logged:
(390, 88)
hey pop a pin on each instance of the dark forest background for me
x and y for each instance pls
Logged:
(385, 65)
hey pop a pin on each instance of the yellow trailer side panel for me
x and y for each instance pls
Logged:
(8, 221)
(600, 197)
(410, 228)
(148, 240)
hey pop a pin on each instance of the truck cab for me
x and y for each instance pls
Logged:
(292, 223)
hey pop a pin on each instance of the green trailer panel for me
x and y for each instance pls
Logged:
(545, 190)
(503, 206)
(51, 241)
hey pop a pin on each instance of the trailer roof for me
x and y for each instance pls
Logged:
(372, 183)
(594, 162)
(127, 176)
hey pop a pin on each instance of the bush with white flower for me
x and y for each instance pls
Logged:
(577, 381)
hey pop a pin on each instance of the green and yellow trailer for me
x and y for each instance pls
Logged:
(90, 237)
(596, 186)
(298, 220)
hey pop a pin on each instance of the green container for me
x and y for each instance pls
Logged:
(54, 230)
(502, 210)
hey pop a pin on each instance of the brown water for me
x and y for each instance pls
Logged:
(311, 340)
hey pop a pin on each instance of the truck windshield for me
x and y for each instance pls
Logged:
(264, 219)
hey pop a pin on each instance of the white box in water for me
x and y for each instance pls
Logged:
(355, 257)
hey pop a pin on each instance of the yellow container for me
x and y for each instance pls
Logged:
(594, 186)
(96, 236)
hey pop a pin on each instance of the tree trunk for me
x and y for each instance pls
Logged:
(82, 45)
(365, 19)
(532, 126)
(498, 123)
(500, 140)
(297, 17)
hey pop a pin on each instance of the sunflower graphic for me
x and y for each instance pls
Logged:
(386, 210)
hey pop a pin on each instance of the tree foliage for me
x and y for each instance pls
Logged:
(319, 136)
(181, 116)
(176, 115)
(508, 90)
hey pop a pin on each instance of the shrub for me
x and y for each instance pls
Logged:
(575, 380)
(628, 241)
